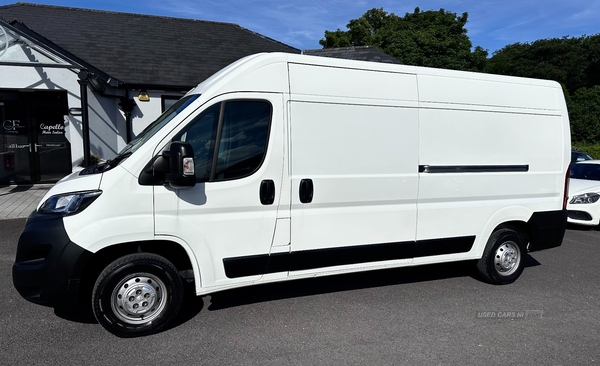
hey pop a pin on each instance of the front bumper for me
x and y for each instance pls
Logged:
(48, 266)
(583, 216)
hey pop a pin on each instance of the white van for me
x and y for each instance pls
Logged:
(286, 166)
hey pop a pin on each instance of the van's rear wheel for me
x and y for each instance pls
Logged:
(504, 256)
(137, 294)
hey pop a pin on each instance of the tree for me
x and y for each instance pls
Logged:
(566, 60)
(572, 61)
(422, 38)
(584, 115)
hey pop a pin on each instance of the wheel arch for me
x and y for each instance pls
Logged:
(540, 229)
(170, 250)
(515, 218)
(521, 227)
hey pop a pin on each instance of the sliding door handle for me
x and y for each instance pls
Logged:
(306, 190)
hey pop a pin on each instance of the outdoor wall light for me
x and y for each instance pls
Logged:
(143, 96)
(75, 111)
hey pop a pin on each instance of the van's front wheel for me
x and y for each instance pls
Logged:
(137, 294)
(504, 256)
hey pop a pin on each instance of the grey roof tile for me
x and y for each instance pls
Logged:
(143, 49)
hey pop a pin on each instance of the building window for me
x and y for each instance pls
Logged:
(168, 101)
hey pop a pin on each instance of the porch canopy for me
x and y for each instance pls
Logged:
(21, 47)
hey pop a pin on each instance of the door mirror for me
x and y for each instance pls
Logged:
(181, 172)
(174, 166)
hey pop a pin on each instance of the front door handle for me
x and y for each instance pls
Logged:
(267, 192)
(306, 190)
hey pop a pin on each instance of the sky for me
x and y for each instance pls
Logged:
(492, 24)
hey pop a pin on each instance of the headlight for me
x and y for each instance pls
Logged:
(69, 203)
(585, 198)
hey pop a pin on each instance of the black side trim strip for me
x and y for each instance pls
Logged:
(246, 266)
(310, 259)
(426, 248)
(472, 168)
(321, 258)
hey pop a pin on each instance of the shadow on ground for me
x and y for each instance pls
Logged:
(346, 282)
(193, 305)
(15, 189)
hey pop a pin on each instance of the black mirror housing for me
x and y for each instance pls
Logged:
(181, 163)
(174, 166)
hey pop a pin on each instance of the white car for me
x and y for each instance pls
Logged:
(584, 193)
(579, 156)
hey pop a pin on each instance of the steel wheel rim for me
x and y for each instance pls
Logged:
(139, 299)
(507, 258)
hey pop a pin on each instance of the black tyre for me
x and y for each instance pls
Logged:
(504, 257)
(137, 294)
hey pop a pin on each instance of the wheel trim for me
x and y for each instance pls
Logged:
(139, 299)
(507, 258)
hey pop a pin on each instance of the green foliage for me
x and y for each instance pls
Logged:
(584, 113)
(423, 38)
(574, 62)
(439, 39)
(592, 150)
(94, 159)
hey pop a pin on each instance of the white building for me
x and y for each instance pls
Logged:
(128, 68)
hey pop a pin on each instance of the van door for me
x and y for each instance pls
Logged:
(354, 185)
(228, 219)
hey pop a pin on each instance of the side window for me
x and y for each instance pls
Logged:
(201, 134)
(244, 136)
(239, 136)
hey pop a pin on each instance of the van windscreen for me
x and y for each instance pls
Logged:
(157, 125)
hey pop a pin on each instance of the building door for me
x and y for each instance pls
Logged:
(33, 144)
